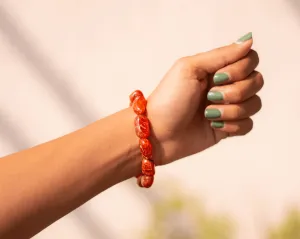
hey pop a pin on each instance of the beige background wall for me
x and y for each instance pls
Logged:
(64, 64)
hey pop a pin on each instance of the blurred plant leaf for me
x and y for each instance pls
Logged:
(289, 229)
(184, 217)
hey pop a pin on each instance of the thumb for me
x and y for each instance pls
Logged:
(218, 58)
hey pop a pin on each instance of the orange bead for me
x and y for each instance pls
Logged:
(146, 148)
(139, 105)
(146, 181)
(148, 167)
(135, 94)
(142, 126)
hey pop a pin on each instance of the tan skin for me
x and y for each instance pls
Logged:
(42, 184)
(176, 107)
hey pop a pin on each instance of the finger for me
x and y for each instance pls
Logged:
(238, 70)
(235, 111)
(240, 127)
(238, 91)
(216, 59)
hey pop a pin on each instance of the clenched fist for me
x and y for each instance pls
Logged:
(205, 98)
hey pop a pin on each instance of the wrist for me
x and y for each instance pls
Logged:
(162, 144)
(113, 139)
(129, 164)
(143, 131)
(133, 156)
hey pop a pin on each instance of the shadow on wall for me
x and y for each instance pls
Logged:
(174, 216)
(50, 76)
(295, 4)
(42, 65)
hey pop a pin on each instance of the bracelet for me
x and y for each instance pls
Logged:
(142, 129)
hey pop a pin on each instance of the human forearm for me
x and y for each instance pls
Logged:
(42, 184)
(201, 100)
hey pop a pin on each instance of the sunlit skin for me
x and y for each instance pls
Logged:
(42, 184)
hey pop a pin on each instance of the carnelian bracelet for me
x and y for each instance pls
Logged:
(142, 130)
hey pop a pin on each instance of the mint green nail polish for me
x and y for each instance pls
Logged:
(220, 78)
(244, 38)
(212, 113)
(217, 124)
(214, 96)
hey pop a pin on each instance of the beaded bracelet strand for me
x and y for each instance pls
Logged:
(142, 129)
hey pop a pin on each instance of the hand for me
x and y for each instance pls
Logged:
(203, 99)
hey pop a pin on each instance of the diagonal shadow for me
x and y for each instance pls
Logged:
(69, 99)
(43, 67)
(295, 5)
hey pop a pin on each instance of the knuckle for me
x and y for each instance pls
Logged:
(259, 79)
(254, 55)
(183, 63)
(242, 127)
(184, 66)
(251, 124)
(254, 105)
(248, 125)
(245, 127)
(258, 103)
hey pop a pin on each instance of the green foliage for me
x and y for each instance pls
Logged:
(177, 217)
(289, 229)
(184, 217)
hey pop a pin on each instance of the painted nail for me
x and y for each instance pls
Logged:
(244, 38)
(217, 124)
(214, 96)
(220, 78)
(212, 113)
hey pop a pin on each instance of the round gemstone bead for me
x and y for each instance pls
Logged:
(146, 148)
(147, 181)
(139, 105)
(142, 126)
(135, 94)
(148, 167)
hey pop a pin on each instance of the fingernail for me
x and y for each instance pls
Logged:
(214, 96)
(217, 124)
(212, 113)
(244, 38)
(220, 78)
